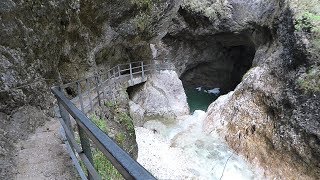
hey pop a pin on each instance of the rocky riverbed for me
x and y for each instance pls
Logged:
(184, 151)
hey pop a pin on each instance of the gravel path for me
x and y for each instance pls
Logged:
(43, 155)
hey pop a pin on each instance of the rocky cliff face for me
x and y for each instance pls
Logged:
(52, 42)
(272, 117)
(161, 97)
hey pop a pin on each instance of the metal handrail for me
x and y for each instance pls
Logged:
(128, 167)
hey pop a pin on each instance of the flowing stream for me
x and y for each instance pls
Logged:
(183, 151)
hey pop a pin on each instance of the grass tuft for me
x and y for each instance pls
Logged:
(310, 81)
(103, 166)
(100, 123)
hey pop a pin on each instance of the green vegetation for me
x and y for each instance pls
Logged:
(100, 123)
(120, 138)
(147, 4)
(308, 19)
(104, 167)
(101, 163)
(143, 21)
(310, 81)
(110, 104)
(308, 22)
(145, 17)
(126, 120)
(122, 117)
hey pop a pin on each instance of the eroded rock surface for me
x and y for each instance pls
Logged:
(274, 111)
(272, 117)
(162, 96)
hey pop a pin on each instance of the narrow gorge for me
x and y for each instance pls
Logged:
(240, 99)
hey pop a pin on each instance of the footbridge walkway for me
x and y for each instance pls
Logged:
(76, 99)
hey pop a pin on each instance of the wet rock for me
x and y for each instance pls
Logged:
(161, 96)
(272, 112)
(24, 121)
(137, 113)
(266, 118)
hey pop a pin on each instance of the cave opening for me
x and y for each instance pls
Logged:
(219, 70)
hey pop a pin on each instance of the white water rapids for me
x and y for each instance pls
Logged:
(183, 151)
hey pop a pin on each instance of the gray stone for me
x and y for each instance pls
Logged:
(137, 113)
(6, 6)
(162, 96)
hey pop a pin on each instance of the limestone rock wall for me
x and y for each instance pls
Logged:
(272, 117)
(43, 43)
(161, 97)
(274, 112)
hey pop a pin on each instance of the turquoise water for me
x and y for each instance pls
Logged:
(199, 99)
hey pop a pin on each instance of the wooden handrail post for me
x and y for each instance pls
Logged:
(101, 88)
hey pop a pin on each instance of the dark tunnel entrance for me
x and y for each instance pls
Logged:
(215, 69)
(225, 73)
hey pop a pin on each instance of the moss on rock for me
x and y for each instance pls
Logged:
(310, 81)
